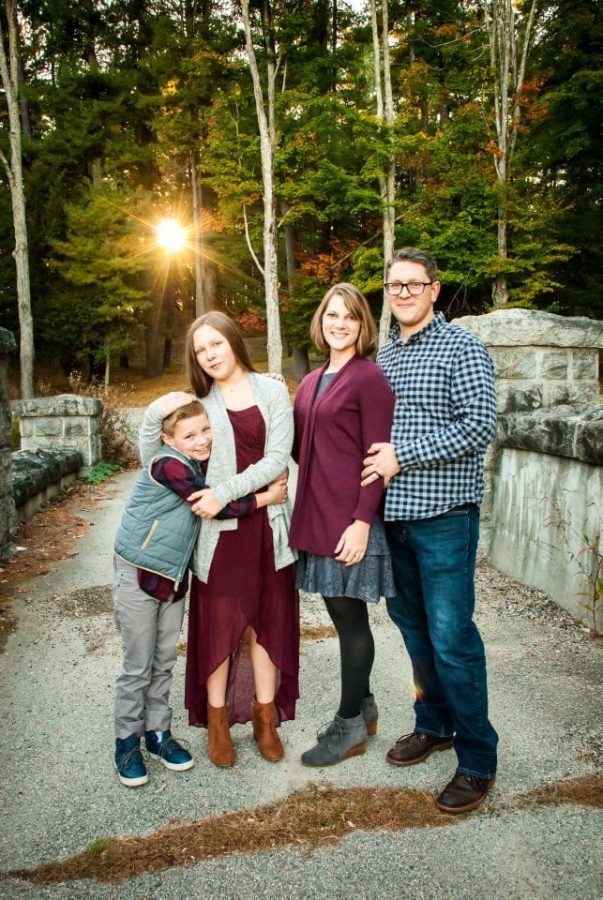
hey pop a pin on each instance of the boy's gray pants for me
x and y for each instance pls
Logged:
(149, 630)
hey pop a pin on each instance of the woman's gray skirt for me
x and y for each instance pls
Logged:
(368, 580)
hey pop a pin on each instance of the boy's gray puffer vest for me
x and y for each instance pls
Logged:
(158, 530)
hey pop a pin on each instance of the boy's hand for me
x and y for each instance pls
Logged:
(204, 504)
(277, 491)
(169, 403)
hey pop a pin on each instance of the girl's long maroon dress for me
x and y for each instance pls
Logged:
(244, 591)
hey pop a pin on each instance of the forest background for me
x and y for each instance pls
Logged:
(131, 111)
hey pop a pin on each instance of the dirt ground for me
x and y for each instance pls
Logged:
(51, 535)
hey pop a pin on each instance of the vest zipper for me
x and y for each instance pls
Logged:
(152, 531)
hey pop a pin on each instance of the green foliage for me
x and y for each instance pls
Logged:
(100, 296)
(98, 845)
(101, 471)
(126, 100)
(15, 437)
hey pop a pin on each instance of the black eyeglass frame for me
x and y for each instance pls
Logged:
(404, 284)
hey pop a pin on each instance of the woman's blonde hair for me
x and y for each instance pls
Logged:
(199, 381)
(357, 304)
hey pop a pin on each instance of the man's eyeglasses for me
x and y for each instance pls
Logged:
(414, 288)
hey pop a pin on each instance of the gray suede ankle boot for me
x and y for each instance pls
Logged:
(370, 713)
(340, 740)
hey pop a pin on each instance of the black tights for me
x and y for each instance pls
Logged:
(357, 650)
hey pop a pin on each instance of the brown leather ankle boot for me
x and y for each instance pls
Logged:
(219, 745)
(264, 731)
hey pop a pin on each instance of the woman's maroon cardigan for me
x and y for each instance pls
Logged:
(332, 436)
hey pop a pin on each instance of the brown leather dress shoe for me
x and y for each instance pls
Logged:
(463, 793)
(414, 748)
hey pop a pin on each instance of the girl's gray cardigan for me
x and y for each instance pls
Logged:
(273, 402)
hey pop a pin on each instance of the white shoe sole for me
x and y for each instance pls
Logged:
(173, 767)
(132, 782)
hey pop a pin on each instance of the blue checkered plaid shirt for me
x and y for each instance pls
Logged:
(444, 419)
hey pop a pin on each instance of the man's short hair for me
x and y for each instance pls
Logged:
(194, 408)
(415, 254)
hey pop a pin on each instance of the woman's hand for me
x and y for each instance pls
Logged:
(352, 543)
(204, 504)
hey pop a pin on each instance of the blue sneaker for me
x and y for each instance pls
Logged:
(129, 762)
(168, 751)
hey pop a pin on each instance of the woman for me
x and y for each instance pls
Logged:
(340, 410)
(243, 636)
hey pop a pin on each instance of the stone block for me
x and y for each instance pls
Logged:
(529, 327)
(535, 495)
(35, 470)
(574, 431)
(26, 428)
(8, 344)
(5, 471)
(512, 397)
(48, 427)
(511, 363)
(61, 405)
(554, 365)
(589, 438)
(555, 394)
(585, 365)
(77, 427)
(5, 425)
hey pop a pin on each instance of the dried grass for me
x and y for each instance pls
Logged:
(317, 632)
(312, 817)
(587, 790)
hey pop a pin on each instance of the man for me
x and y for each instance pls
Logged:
(444, 419)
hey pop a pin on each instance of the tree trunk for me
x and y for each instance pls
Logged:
(385, 112)
(266, 124)
(508, 64)
(107, 366)
(200, 304)
(9, 73)
(301, 361)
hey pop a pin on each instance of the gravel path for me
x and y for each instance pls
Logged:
(59, 790)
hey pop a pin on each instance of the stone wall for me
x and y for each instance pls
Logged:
(7, 507)
(39, 475)
(64, 422)
(546, 518)
(544, 466)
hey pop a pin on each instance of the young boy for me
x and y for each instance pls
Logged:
(153, 549)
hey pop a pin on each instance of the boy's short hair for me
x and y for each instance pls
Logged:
(194, 408)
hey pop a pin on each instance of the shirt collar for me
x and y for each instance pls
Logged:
(436, 323)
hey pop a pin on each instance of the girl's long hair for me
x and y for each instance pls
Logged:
(199, 381)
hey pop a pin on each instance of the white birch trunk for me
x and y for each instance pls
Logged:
(266, 125)
(9, 73)
(385, 112)
(508, 64)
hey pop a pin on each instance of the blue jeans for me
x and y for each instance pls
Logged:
(434, 571)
